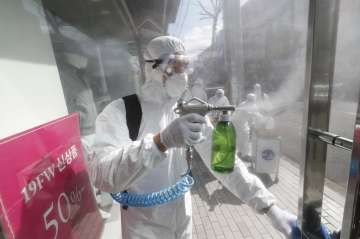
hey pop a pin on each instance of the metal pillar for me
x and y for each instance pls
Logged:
(321, 45)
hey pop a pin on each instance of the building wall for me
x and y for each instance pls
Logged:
(30, 88)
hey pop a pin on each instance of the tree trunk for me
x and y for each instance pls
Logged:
(214, 26)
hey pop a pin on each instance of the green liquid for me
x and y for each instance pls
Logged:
(223, 147)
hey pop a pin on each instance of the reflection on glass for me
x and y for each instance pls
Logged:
(251, 50)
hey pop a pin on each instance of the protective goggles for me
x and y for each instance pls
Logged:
(171, 64)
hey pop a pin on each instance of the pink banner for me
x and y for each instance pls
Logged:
(45, 192)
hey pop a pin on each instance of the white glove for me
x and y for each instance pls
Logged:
(282, 220)
(184, 130)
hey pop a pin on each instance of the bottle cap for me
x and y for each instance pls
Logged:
(225, 116)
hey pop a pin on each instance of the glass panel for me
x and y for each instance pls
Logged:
(28, 69)
(253, 50)
(343, 109)
(231, 47)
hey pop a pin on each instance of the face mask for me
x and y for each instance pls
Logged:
(153, 74)
(176, 85)
(153, 91)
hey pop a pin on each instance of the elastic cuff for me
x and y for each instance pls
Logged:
(158, 143)
(152, 149)
(161, 139)
(267, 209)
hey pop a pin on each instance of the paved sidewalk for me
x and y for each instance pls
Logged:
(218, 214)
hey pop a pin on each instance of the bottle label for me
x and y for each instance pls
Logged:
(268, 154)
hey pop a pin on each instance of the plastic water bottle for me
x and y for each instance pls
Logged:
(223, 145)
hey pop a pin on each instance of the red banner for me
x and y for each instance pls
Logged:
(45, 192)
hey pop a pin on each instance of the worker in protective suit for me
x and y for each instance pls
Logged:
(219, 99)
(155, 159)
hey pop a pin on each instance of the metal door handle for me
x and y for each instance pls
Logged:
(330, 138)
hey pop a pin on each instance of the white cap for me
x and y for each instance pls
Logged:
(220, 92)
(163, 46)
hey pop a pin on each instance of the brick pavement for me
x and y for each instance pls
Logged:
(218, 214)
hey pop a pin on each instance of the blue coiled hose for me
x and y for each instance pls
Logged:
(155, 198)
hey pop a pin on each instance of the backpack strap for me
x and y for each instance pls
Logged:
(133, 115)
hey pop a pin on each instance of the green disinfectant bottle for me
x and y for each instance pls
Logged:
(223, 145)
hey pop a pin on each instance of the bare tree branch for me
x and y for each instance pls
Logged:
(213, 4)
(205, 14)
(218, 11)
(218, 7)
(220, 4)
(206, 17)
(213, 13)
(204, 9)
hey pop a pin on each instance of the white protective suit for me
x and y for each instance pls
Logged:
(219, 99)
(262, 99)
(138, 166)
(242, 119)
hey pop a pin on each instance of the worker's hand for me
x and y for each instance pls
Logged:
(282, 220)
(186, 130)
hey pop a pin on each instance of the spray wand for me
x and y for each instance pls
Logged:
(198, 106)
